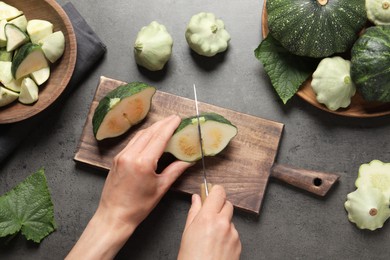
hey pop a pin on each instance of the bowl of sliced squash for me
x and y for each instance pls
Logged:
(37, 57)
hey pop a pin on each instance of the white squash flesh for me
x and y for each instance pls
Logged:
(14, 85)
(216, 136)
(7, 96)
(15, 37)
(53, 46)
(28, 92)
(3, 39)
(185, 146)
(125, 113)
(34, 61)
(39, 29)
(5, 72)
(41, 76)
(8, 12)
(20, 22)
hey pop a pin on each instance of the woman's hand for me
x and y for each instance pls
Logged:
(133, 188)
(131, 191)
(209, 232)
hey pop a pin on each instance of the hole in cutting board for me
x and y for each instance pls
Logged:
(317, 182)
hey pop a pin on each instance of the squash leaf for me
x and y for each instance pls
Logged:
(28, 208)
(287, 71)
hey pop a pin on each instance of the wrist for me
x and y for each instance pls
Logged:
(103, 237)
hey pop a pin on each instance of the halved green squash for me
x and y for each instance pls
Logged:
(217, 132)
(316, 28)
(120, 109)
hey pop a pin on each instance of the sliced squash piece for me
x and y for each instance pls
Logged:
(3, 39)
(28, 59)
(28, 92)
(53, 46)
(14, 85)
(41, 76)
(8, 12)
(20, 22)
(120, 109)
(7, 96)
(15, 37)
(38, 29)
(5, 72)
(217, 132)
(5, 55)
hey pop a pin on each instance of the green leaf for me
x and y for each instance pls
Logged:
(28, 208)
(286, 71)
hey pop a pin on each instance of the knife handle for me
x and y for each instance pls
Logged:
(315, 182)
(203, 191)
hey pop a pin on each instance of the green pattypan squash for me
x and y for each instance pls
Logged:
(378, 11)
(367, 207)
(332, 83)
(206, 35)
(153, 46)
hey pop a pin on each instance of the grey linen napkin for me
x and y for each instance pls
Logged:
(90, 49)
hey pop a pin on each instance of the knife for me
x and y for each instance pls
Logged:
(205, 186)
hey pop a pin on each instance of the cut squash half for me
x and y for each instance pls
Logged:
(216, 130)
(120, 109)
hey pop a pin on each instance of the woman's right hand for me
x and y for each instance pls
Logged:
(209, 232)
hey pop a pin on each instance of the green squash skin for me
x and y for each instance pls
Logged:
(370, 64)
(120, 92)
(21, 54)
(306, 28)
(207, 116)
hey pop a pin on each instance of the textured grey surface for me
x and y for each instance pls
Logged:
(292, 224)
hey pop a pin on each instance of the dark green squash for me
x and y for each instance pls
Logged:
(316, 28)
(370, 63)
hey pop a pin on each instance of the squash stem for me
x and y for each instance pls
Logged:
(385, 5)
(214, 28)
(138, 46)
(373, 212)
(322, 2)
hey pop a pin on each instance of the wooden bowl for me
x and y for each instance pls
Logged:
(358, 107)
(61, 71)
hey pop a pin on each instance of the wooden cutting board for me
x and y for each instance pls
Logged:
(243, 168)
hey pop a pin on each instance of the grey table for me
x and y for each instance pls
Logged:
(292, 224)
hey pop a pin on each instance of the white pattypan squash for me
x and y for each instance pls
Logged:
(378, 11)
(206, 35)
(153, 46)
(376, 174)
(367, 207)
(332, 83)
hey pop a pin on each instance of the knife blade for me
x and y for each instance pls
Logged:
(205, 186)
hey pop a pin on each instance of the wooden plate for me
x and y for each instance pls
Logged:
(61, 71)
(358, 108)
